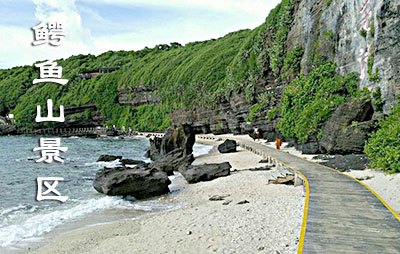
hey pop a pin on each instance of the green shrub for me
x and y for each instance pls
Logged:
(363, 33)
(309, 101)
(383, 148)
(284, 17)
(372, 28)
(273, 114)
(378, 101)
(291, 64)
(373, 75)
(254, 112)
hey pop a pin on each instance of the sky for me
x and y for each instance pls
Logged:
(97, 26)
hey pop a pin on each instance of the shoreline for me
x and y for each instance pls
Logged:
(270, 222)
(195, 197)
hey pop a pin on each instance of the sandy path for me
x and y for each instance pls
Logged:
(269, 223)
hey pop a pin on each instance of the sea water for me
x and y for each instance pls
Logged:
(23, 219)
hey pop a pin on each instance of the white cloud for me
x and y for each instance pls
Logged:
(258, 8)
(17, 48)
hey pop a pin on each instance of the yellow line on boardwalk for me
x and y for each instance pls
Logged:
(304, 223)
(305, 214)
(397, 216)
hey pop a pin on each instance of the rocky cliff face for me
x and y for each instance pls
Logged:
(359, 35)
(227, 117)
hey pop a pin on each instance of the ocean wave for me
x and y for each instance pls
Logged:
(102, 164)
(34, 225)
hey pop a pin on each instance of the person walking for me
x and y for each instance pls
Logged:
(256, 134)
(278, 143)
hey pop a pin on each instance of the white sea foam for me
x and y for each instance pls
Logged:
(34, 225)
(102, 164)
(199, 149)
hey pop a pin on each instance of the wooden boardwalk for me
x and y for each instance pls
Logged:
(341, 214)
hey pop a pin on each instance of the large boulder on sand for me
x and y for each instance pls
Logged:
(107, 158)
(229, 146)
(140, 182)
(173, 161)
(348, 128)
(205, 172)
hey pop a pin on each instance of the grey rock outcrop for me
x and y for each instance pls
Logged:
(132, 162)
(8, 129)
(140, 182)
(173, 161)
(181, 137)
(312, 146)
(345, 162)
(229, 146)
(155, 147)
(107, 158)
(348, 128)
(205, 172)
(332, 30)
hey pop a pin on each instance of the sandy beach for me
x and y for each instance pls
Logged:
(269, 221)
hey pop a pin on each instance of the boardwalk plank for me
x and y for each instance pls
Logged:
(343, 215)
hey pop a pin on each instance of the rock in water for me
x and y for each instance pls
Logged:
(140, 182)
(229, 146)
(155, 147)
(107, 158)
(182, 137)
(205, 172)
(8, 130)
(132, 162)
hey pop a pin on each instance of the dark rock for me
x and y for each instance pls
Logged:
(345, 162)
(229, 146)
(147, 153)
(243, 202)
(260, 169)
(308, 148)
(182, 137)
(107, 158)
(173, 161)
(7, 129)
(227, 202)
(348, 128)
(140, 182)
(155, 147)
(205, 172)
(364, 178)
(218, 197)
(132, 162)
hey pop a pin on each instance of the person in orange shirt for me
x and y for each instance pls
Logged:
(278, 143)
